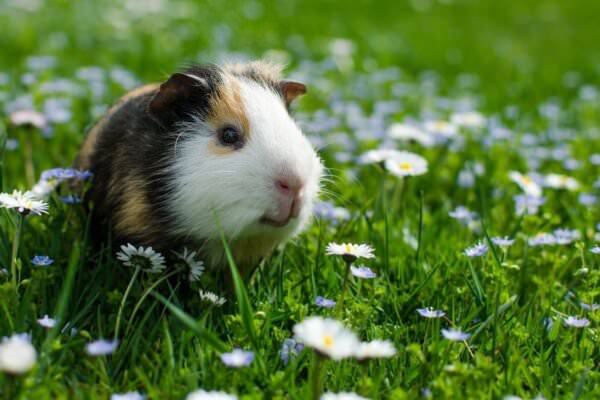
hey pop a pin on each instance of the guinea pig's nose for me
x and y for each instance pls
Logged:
(289, 186)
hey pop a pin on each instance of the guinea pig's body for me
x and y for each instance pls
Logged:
(212, 150)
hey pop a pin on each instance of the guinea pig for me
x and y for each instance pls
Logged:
(212, 150)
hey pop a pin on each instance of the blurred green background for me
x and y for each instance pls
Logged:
(502, 41)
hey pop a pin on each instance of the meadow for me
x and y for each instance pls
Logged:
(481, 277)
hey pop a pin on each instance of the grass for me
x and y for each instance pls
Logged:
(527, 66)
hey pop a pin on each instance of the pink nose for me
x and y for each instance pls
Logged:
(289, 186)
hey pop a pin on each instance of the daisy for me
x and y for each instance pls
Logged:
(211, 297)
(201, 394)
(566, 236)
(477, 250)
(61, 174)
(557, 181)
(47, 322)
(342, 396)
(143, 257)
(28, 118)
(127, 396)
(101, 347)
(375, 349)
(42, 261)
(595, 250)
(542, 239)
(327, 336)
(376, 156)
(349, 251)
(402, 131)
(526, 204)
(404, 164)
(429, 312)
(526, 183)
(237, 358)
(469, 119)
(17, 354)
(442, 128)
(503, 242)
(321, 301)
(455, 335)
(196, 267)
(362, 272)
(590, 307)
(576, 322)
(24, 203)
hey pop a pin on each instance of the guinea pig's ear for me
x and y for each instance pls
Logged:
(176, 96)
(290, 90)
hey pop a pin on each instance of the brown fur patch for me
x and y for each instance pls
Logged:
(133, 215)
(227, 107)
(89, 144)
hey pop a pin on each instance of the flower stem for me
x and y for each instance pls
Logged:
(29, 170)
(315, 379)
(340, 303)
(118, 323)
(15, 251)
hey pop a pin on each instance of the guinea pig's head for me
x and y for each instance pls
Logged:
(240, 165)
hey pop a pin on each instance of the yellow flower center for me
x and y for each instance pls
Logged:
(328, 341)
(527, 180)
(348, 248)
(405, 166)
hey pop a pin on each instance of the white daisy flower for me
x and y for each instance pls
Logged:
(404, 164)
(212, 298)
(455, 335)
(196, 267)
(349, 251)
(327, 336)
(376, 156)
(401, 131)
(429, 312)
(439, 127)
(237, 358)
(342, 396)
(144, 257)
(47, 322)
(526, 183)
(469, 119)
(101, 347)
(576, 322)
(28, 118)
(23, 202)
(17, 354)
(375, 349)
(127, 396)
(557, 181)
(201, 394)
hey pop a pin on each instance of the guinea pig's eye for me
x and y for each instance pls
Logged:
(230, 136)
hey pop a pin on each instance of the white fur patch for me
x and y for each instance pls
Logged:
(237, 188)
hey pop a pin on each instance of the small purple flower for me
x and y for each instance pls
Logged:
(526, 204)
(362, 272)
(290, 348)
(65, 173)
(542, 239)
(42, 261)
(462, 213)
(588, 199)
(547, 323)
(590, 307)
(70, 199)
(595, 250)
(47, 322)
(237, 358)
(455, 335)
(566, 236)
(101, 347)
(477, 250)
(429, 312)
(503, 241)
(321, 301)
(576, 322)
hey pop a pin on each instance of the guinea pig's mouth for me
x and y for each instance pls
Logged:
(283, 216)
